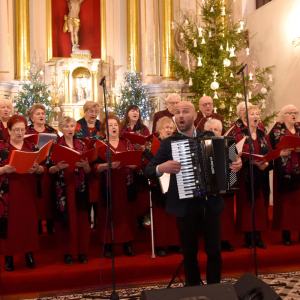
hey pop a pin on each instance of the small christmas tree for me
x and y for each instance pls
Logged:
(211, 43)
(33, 90)
(134, 93)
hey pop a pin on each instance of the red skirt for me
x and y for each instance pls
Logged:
(124, 212)
(244, 209)
(22, 233)
(76, 239)
(286, 208)
(44, 204)
(227, 219)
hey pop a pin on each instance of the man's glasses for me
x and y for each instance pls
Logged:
(296, 113)
(207, 104)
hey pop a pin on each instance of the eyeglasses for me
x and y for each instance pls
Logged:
(173, 103)
(296, 113)
(93, 111)
(215, 129)
(18, 130)
(207, 104)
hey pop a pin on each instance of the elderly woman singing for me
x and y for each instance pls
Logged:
(5, 112)
(286, 178)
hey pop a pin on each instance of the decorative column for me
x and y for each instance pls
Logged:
(95, 85)
(66, 85)
(133, 34)
(167, 38)
(103, 29)
(22, 38)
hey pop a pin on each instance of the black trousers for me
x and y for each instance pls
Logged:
(200, 215)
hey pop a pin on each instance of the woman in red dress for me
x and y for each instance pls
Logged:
(18, 214)
(286, 178)
(261, 145)
(133, 123)
(70, 198)
(227, 216)
(123, 194)
(37, 115)
(5, 112)
(164, 225)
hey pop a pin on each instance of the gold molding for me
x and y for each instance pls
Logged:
(159, 49)
(66, 85)
(8, 48)
(132, 10)
(103, 29)
(49, 32)
(22, 37)
(95, 86)
(167, 38)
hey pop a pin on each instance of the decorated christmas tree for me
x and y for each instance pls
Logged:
(134, 93)
(211, 42)
(33, 90)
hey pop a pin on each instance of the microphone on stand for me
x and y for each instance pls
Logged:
(102, 80)
(240, 70)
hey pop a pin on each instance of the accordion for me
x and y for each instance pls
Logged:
(205, 166)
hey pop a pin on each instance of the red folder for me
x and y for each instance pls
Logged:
(32, 138)
(138, 139)
(23, 161)
(127, 158)
(71, 157)
(155, 145)
(288, 142)
(89, 143)
(268, 157)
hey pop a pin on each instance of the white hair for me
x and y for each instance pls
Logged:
(173, 95)
(241, 106)
(281, 115)
(211, 122)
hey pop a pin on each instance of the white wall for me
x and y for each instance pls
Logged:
(277, 24)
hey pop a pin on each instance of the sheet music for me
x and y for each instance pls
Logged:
(227, 132)
(164, 182)
(240, 144)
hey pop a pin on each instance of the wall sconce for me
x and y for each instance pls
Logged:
(296, 42)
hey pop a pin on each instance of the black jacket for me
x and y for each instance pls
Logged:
(174, 206)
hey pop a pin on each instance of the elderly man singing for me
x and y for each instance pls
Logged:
(193, 212)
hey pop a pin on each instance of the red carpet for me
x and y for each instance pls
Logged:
(51, 274)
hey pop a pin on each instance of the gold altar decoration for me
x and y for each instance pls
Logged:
(103, 29)
(167, 38)
(66, 85)
(81, 72)
(81, 56)
(132, 8)
(22, 37)
(94, 90)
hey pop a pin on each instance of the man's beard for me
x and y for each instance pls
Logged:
(187, 125)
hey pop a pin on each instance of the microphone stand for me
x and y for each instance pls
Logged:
(114, 295)
(251, 166)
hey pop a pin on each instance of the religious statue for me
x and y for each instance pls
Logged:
(72, 21)
(81, 93)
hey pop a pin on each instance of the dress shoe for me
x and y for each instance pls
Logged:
(258, 241)
(9, 263)
(107, 251)
(175, 249)
(127, 250)
(82, 259)
(30, 260)
(50, 227)
(286, 238)
(226, 246)
(68, 259)
(40, 228)
(160, 251)
(248, 240)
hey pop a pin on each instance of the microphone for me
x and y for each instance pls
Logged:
(241, 69)
(102, 80)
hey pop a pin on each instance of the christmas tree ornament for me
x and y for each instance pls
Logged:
(214, 85)
(237, 95)
(215, 74)
(250, 76)
(230, 108)
(200, 31)
(227, 47)
(172, 25)
(239, 30)
(242, 25)
(263, 90)
(209, 34)
(263, 104)
(190, 81)
(215, 109)
(41, 73)
(216, 96)
(221, 47)
(222, 106)
(247, 51)
(199, 61)
(226, 62)
(231, 75)
(223, 11)
(203, 41)
(250, 95)
(270, 77)
(212, 9)
(195, 43)
(181, 35)
(186, 21)
(232, 52)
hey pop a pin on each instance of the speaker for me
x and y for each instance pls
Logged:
(224, 291)
(250, 287)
